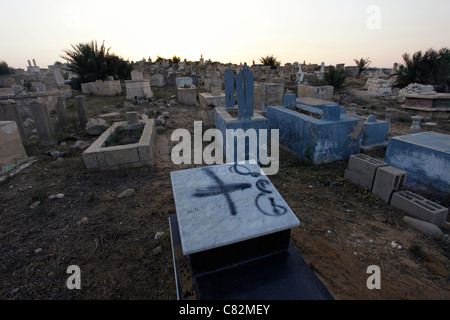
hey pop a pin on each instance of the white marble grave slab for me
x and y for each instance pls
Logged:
(224, 204)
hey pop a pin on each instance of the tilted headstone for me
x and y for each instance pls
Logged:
(9, 111)
(229, 89)
(244, 89)
(83, 114)
(61, 111)
(43, 124)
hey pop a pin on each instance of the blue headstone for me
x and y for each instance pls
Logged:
(289, 101)
(331, 112)
(229, 89)
(244, 88)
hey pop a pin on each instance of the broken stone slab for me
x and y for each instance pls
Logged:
(426, 228)
(110, 116)
(96, 127)
(160, 120)
(81, 144)
(126, 193)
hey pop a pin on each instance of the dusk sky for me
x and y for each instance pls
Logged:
(226, 31)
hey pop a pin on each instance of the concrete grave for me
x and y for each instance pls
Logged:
(157, 80)
(246, 119)
(318, 103)
(374, 132)
(268, 94)
(102, 88)
(209, 101)
(425, 156)
(102, 157)
(322, 93)
(138, 87)
(181, 81)
(321, 135)
(230, 225)
(187, 94)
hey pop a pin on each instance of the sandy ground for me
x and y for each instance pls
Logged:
(344, 229)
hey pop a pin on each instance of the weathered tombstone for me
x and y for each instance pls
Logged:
(229, 89)
(9, 112)
(233, 228)
(61, 111)
(132, 117)
(43, 124)
(83, 114)
(289, 101)
(11, 148)
(244, 89)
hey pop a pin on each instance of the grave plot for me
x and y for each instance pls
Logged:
(226, 119)
(321, 134)
(123, 145)
(232, 228)
(425, 156)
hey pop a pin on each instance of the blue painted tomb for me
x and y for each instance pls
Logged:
(321, 134)
(425, 156)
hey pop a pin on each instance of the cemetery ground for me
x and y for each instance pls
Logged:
(114, 225)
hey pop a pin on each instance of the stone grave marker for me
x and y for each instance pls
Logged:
(231, 223)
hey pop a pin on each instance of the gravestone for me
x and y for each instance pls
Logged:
(247, 119)
(244, 89)
(61, 112)
(425, 156)
(229, 89)
(43, 124)
(231, 223)
(83, 114)
(10, 112)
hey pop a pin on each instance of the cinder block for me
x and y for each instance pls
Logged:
(364, 168)
(387, 180)
(358, 179)
(90, 160)
(419, 207)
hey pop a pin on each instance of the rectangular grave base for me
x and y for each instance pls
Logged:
(282, 275)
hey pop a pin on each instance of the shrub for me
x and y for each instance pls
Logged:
(430, 68)
(362, 64)
(5, 69)
(335, 77)
(270, 61)
(92, 63)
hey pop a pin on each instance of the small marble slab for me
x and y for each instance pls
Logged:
(225, 204)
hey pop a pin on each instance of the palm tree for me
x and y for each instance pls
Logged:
(91, 62)
(431, 67)
(4, 68)
(270, 61)
(335, 77)
(362, 64)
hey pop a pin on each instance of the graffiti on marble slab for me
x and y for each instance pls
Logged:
(264, 202)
